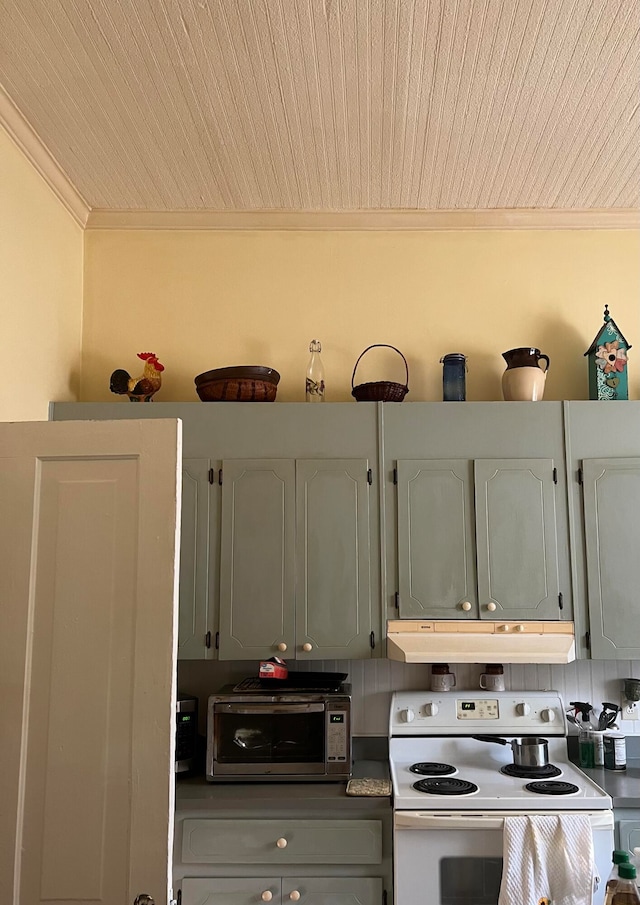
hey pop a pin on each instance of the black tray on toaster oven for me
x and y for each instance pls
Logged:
(296, 681)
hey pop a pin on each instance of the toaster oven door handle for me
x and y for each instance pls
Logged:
(267, 709)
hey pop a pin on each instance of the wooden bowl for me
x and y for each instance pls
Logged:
(243, 383)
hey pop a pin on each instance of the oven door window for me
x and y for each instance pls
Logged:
(260, 735)
(470, 881)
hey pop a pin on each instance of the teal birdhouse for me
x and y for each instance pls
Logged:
(607, 357)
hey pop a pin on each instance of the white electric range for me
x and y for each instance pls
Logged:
(447, 786)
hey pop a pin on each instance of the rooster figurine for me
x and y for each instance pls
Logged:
(139, 389)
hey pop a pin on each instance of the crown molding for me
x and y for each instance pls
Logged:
(365, 220)
(18, 129)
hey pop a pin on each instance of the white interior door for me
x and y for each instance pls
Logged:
(88, 589)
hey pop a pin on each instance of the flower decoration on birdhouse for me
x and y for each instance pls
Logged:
(607, 358)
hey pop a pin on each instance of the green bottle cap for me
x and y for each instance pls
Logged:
(619, 856)
(627, 872)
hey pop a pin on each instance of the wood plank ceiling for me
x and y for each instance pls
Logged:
(330, 105)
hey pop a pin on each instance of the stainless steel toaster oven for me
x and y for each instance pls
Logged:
(279, 735)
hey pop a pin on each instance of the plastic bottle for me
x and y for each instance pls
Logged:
(597, 739)
(315, 373)
(625, 891)
(618, 857)
(585, 735)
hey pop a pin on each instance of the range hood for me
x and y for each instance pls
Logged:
(414, 641)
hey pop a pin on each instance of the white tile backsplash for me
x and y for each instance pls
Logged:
(373, 681)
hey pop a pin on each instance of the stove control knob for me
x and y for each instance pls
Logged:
(548, 715)
(407, 715)
(430, 709)
(523, 709)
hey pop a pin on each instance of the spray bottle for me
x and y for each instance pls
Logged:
(585, 737)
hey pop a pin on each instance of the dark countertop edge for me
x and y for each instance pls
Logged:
(195, 793)
(622, 785)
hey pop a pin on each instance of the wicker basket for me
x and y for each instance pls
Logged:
(238, 384)
(380, 390)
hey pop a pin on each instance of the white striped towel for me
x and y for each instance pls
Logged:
(547, 857)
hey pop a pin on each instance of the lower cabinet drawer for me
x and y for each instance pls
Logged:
(281, 841)
(305, 890)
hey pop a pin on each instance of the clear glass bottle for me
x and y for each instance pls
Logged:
(315, 373)
(454, 367)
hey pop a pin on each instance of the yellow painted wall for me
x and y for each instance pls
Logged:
(204, 300)
(41, 251)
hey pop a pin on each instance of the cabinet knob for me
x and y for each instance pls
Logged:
(282, 842)
(465, 605)
(267, 895)
(306, 646)
(492, 607)
(282, 646)
(294, 895)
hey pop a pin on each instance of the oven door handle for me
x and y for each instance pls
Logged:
(418, 821)
(432, 822)
(268, 709)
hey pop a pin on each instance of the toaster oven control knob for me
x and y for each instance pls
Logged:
(430, 709)
(407, 715)
(282, 842)
(267, 895)
(282, 646)
(518, 628)
(294, 895)
(503, 628)
(548, 715)
(465, 605)
(307, 646)
(523, 709)
(491, 607)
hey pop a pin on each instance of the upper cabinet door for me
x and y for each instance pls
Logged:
(197, 600)
(89, 595)
(611, 491)
(257, 559)
(334, 561)
(516, 539)
(436, 539)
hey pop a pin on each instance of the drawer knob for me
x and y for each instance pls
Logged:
(267, 895)
(491, 607)
(282, 646)
(306, 646)
(294, 895)
(465, 605)
(282, 842)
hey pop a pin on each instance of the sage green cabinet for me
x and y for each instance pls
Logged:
(199, 540)
(603, 455)
(282, 891)
(296, 559)
(477, 539)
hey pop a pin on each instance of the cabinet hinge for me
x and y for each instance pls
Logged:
(587, 639)
(384, 897)
(369, 476)
(219, 476)
(555, 475)
(207, 640)
(179, 899)
(397, 599)
(560, 600)
(217, 640)
(211, 477)
(372, 640)
(580, 475)
(395, 475)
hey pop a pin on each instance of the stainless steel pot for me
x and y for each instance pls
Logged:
(528, 751)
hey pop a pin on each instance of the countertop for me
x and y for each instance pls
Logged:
(195, 793)
(622, 785)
